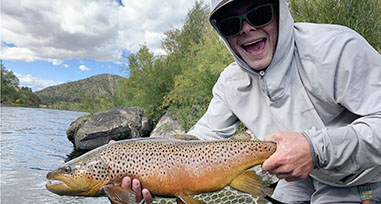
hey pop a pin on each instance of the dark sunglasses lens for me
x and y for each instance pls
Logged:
(229, 27)
(260, 16)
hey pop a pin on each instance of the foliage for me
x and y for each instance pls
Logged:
(178, 41)
(192, 90)
(150, 79)
(362, 16)
(169, 82)
(12, 94)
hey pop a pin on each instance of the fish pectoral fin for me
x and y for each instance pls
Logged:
(249, 182)
(119, 195)
(187, 200)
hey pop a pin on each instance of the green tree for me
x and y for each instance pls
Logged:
(192, 92)
(8, 78)
(362, 16)
(9, 85)
(11, 93)
(152, 77)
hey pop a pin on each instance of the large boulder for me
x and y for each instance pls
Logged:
(115, 124)
(168, 127)
(147, 126)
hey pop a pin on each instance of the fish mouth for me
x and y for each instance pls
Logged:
(58, 187)
(62, 185)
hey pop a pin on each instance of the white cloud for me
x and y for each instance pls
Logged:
(84, 68)
(86, 29)
(57, 62)
(35, 83)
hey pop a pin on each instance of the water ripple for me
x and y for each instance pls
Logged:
(34, 142)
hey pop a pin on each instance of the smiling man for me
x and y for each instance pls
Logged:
(255, 48)
(314, 89)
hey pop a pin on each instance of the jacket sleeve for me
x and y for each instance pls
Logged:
(357, 88)
(218, 122)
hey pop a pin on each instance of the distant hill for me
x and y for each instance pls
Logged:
(74, 92)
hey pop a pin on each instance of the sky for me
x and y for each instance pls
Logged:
(45, 43)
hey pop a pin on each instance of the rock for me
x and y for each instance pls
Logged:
(100, 128)
(167, 127)
(74, 126)
(147, 126)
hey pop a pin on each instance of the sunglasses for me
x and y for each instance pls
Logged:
(257, 17)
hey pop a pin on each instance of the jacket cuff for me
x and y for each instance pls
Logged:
(315, 156)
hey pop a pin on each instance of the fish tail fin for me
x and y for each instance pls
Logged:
(249, 182)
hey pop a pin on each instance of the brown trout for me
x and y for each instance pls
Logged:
(169, 168)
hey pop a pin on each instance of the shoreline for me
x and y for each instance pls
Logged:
(6, 105)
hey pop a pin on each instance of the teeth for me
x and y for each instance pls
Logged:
(54, 182)
(251, 43)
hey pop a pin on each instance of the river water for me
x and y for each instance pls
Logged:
(34, 142)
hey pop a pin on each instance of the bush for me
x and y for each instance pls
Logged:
(362, 16)
(192, 92)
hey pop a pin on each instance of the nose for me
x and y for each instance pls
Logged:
(246, 28)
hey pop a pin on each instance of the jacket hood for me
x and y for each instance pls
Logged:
(284, 47)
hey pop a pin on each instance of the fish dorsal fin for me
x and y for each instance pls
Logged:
(119, 195)
(185, 137)
(241, 136)
(249, 182)
(187, 200)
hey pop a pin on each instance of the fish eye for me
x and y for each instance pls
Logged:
(67, 169)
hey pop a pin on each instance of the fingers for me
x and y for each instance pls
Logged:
(111, 141)
(147, 196)
(273, 161)
(287, 177)
(126, 182)
(134, 185)
(137, 189)
(276, 137)
(292, 159)
(270, 164)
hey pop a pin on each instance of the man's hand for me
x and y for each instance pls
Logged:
(136, 187)
(292, 159)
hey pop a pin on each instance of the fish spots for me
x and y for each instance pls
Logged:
(163, 158)
(96, 171)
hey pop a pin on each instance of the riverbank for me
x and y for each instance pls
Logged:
(19, 105)
(6, 105)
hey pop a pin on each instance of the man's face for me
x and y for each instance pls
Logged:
(256, 46)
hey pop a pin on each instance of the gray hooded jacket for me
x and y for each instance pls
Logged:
(324, 81)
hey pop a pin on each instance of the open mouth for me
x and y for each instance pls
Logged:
(57, 186)
(62, 188)
(255, 47)
(55, 183)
